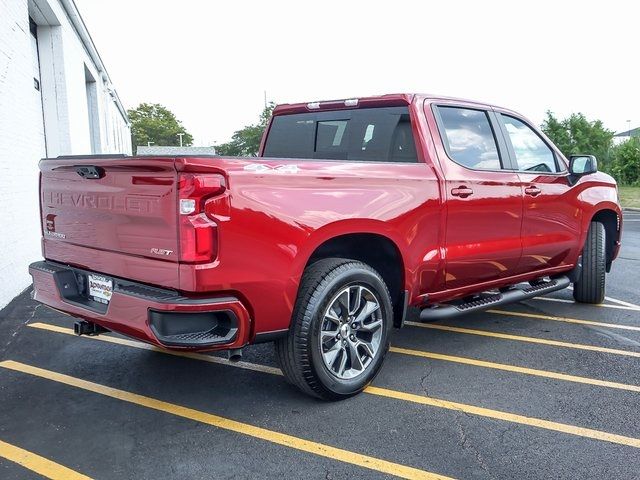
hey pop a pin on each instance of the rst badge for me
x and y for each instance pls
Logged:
(161, 251)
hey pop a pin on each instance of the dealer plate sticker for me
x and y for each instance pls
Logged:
(100, 288)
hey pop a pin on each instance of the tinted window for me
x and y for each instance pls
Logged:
(290, 136)
(331, 138)
(469, 138)
(372, 134)
(532, 154)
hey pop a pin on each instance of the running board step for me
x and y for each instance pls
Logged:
(440, 312)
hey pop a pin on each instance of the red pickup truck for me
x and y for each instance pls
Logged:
(353, 210)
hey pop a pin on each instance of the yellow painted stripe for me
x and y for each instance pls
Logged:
(283, 439)
(564, 319)
(602, 305)
(622, 302)
(507, 417)
(36, 463)
(560, 427)
(404, 351)
(515, 369)
(145, 346)
(518, 338)
(615, 300)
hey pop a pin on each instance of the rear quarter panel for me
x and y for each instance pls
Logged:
(279, 211)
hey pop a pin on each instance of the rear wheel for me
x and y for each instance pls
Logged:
(590, 286)
(339, 331)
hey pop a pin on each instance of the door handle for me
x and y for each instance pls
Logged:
(462, 192)
(532, 190)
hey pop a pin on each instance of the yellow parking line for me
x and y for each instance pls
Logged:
(424, 400)
(36, 463)
(145, 346)
(518, 338)
(404, 351)
(622, 302)
(507, 417)
(603, 305)
(283, 439)
(564, 319)
(515, 369)
(615, 300)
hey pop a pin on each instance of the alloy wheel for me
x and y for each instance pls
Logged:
(351, 331)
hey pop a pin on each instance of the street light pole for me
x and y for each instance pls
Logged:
(180, 135)
(629, 128)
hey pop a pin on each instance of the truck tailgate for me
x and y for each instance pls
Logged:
(117, 216)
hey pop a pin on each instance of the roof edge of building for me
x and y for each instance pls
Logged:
(80, 27)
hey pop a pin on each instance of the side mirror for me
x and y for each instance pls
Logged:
(582, 165)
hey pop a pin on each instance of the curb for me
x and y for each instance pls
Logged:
(630, 209)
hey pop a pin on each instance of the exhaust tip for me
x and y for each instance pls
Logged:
(235, 355)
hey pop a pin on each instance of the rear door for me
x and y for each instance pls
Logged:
(552, 219)
(483, 197)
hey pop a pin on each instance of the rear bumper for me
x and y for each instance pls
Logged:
(158, 316)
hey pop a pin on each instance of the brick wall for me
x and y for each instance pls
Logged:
(21, 146)
(62, 101)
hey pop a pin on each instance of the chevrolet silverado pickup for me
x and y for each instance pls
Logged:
(352, 211)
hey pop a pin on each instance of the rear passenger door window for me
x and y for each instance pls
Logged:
(469, 138)
(530, 152)
(484, 197)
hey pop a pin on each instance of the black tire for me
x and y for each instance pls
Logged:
(590, 286)
(300, 352)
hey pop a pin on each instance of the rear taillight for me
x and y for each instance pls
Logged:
(198, 232)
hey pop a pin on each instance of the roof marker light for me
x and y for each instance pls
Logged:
(352, 102)
(313, 105)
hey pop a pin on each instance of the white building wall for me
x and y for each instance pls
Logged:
(47, 123)
(21, 145)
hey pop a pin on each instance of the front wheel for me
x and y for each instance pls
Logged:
(590, 286)
(339, 331)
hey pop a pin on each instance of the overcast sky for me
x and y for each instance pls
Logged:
(211, 61)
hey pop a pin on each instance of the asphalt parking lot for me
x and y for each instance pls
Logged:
(539, 389)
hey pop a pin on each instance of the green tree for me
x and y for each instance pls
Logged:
(625, 161)
(152, 122)
(577, 135)
(246, 141)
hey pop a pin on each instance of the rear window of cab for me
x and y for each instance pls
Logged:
(366, 135)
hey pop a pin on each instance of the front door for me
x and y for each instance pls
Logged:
(484, 200)
(552, 219)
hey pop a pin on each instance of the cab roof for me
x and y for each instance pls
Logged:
(388, 100)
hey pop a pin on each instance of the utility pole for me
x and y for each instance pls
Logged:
(180, 135)
(265, 99)
(629, 128)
